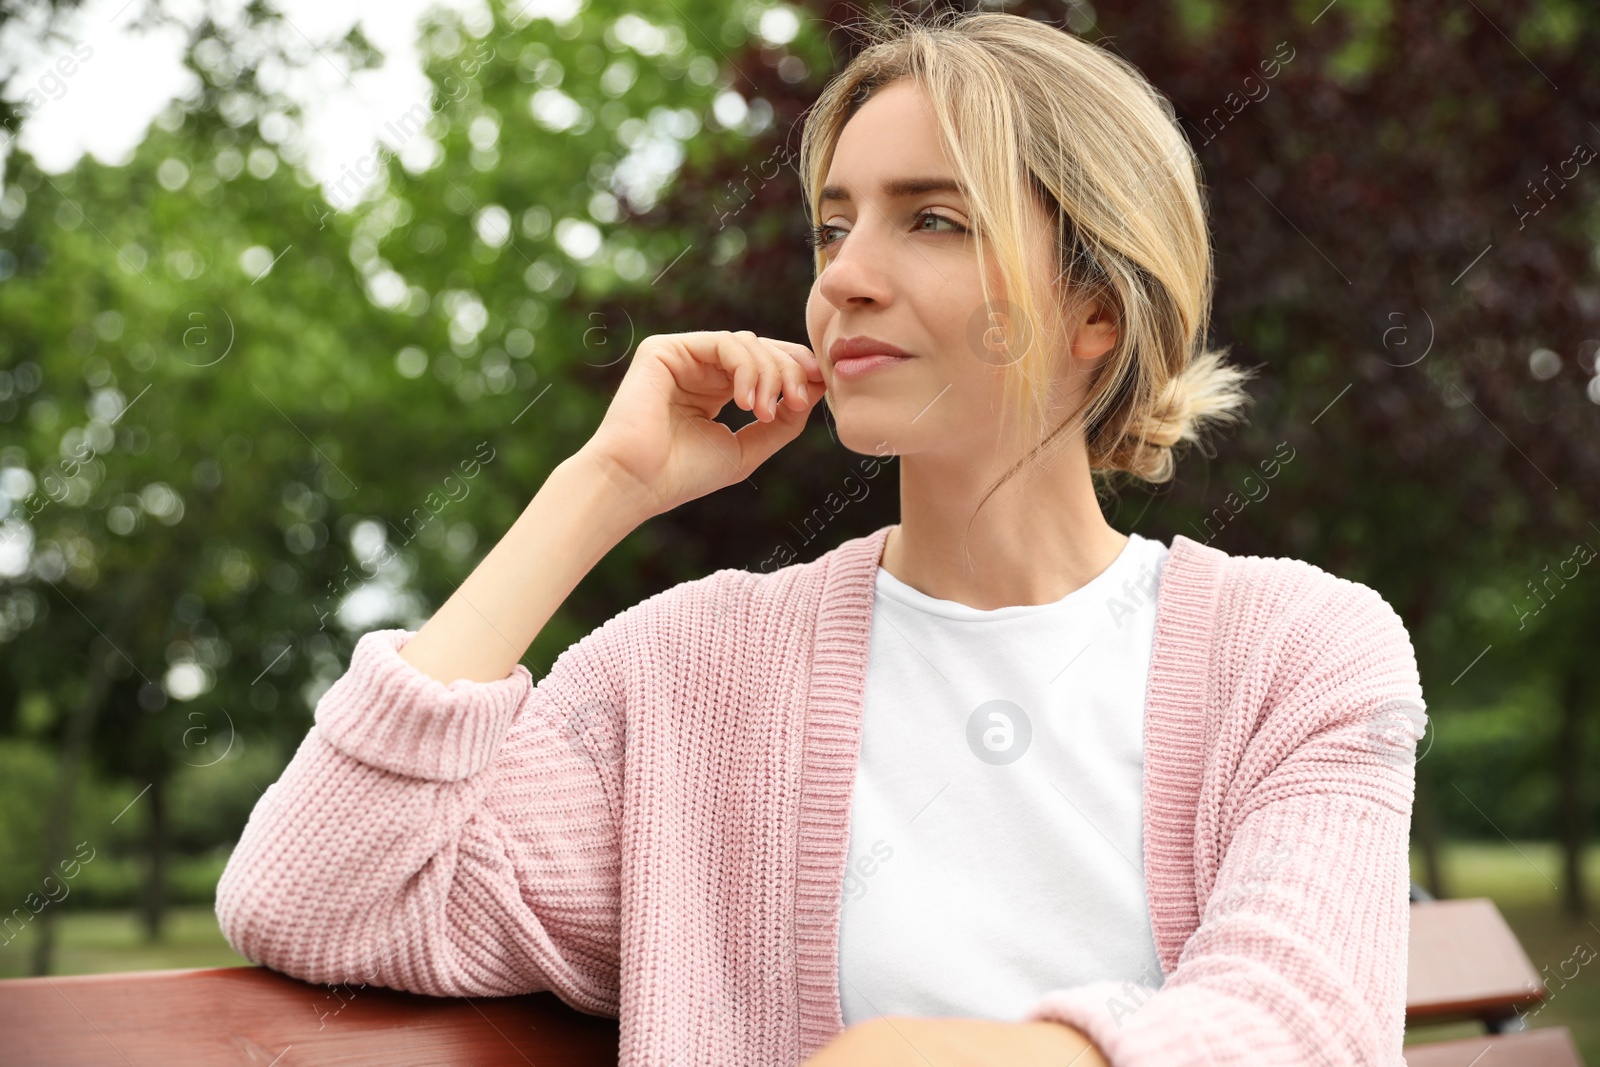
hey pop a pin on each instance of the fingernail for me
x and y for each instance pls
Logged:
(751, 402)
(805, 397)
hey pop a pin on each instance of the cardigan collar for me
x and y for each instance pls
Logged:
(1175, 742)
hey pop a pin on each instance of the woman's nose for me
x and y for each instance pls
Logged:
(858, 270)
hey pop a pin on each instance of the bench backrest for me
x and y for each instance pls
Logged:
(1466, 963)
(253, 1015)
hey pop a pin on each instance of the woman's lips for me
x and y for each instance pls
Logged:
(851, 369)
(862, 354)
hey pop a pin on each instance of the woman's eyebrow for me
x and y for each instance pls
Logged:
(897, 187)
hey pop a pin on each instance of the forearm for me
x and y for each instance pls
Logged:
(1299, 958)
(486, 626)
(385, 854)
(923, 1041)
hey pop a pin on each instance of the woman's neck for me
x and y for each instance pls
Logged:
(1035, 540)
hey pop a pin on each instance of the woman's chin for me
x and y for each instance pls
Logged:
(870, 436)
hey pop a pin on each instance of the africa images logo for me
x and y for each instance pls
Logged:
(998, 732)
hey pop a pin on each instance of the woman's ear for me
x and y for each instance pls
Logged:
(1094, 332)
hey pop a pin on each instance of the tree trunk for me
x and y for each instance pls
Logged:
(1574, 899)
(155, 890)
(58, 818)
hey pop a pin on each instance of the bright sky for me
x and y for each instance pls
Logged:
(98, 91)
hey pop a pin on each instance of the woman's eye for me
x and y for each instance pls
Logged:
(824, 236)
(819, 236)
(926, 216)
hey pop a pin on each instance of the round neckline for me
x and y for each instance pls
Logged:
(897, 590)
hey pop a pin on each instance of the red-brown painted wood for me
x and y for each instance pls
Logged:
(1550, 1047)
(1466, 963)
(241, 1016)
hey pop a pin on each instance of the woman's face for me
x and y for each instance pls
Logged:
(901, 267)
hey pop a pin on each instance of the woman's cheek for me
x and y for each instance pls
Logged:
(816, 320)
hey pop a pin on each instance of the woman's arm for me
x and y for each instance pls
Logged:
(386, 853)
(657, 447)
(449, 840)
(1299, 958)
(580, 513)
(917, 1041)
(446, 826)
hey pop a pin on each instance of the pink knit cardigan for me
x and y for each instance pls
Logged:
(657, 830)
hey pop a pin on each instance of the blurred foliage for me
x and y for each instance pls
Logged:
(244, 419)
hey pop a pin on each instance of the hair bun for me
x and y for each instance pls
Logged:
(1208, 392)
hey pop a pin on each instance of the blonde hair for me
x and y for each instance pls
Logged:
(1025, 107)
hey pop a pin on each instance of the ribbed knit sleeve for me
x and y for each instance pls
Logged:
(453, 839)
(386, 713)
(1299, 959)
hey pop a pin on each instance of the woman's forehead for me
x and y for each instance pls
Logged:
(891, 146)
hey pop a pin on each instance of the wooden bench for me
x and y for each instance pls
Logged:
(1549, 1047)
(249, 1015)
(1466, 964)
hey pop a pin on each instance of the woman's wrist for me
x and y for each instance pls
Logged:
(486, 626)
(610, 491)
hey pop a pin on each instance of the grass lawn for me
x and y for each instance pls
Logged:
(94, 942)
(1521, 879)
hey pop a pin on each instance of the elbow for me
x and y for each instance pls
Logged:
(264, 917)
(232, 910)
(251, 915)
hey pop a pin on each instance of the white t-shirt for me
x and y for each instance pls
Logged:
(996, 824)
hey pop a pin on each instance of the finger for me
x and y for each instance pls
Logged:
(763, 391)
(749, 362)
(803, 355)
(689, 368)
(793, 376)
(758, 440)
(743, 366)
(782, 379)
(737, 357)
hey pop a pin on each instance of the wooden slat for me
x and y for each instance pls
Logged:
(1466, 963)
(1550, 1047)
(252, 1016)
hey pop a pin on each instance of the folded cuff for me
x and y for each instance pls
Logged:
(385, 712)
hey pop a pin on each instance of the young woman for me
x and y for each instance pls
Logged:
(995, 785)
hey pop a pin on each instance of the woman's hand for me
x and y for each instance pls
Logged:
(659, 438)
(907, 1041)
